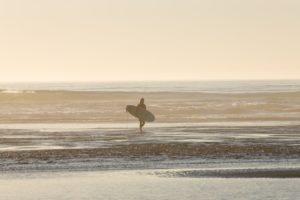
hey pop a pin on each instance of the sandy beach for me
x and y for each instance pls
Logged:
(141, 185)
(62, 144)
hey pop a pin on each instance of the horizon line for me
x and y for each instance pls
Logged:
(179, 80)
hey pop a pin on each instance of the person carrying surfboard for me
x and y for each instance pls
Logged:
(140, 112)
(142, 105)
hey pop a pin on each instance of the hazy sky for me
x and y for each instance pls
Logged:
(100, 40)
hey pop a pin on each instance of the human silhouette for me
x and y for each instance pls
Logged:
(143, 106)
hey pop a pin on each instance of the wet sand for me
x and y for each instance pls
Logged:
(89, 147)
(169, 150)
(235, 173)
(136, 185)
(149, 156)
(58, 145)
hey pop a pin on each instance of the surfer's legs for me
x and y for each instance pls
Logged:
(142, 123)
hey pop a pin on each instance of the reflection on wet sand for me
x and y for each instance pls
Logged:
(41, 146)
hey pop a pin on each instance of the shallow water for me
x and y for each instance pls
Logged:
(175, 107)
(18, 137)
(167, 145)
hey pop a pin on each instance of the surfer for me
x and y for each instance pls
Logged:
(141, 113)
(142, 105)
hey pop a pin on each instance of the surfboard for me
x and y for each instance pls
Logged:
(140, 113)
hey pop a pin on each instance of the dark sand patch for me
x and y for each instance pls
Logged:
(170, 150)
(235, 173)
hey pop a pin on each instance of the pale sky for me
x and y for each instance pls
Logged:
(112, 40)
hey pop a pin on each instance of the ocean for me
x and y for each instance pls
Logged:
(211, 131)
(159, 86)
(231, 101)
